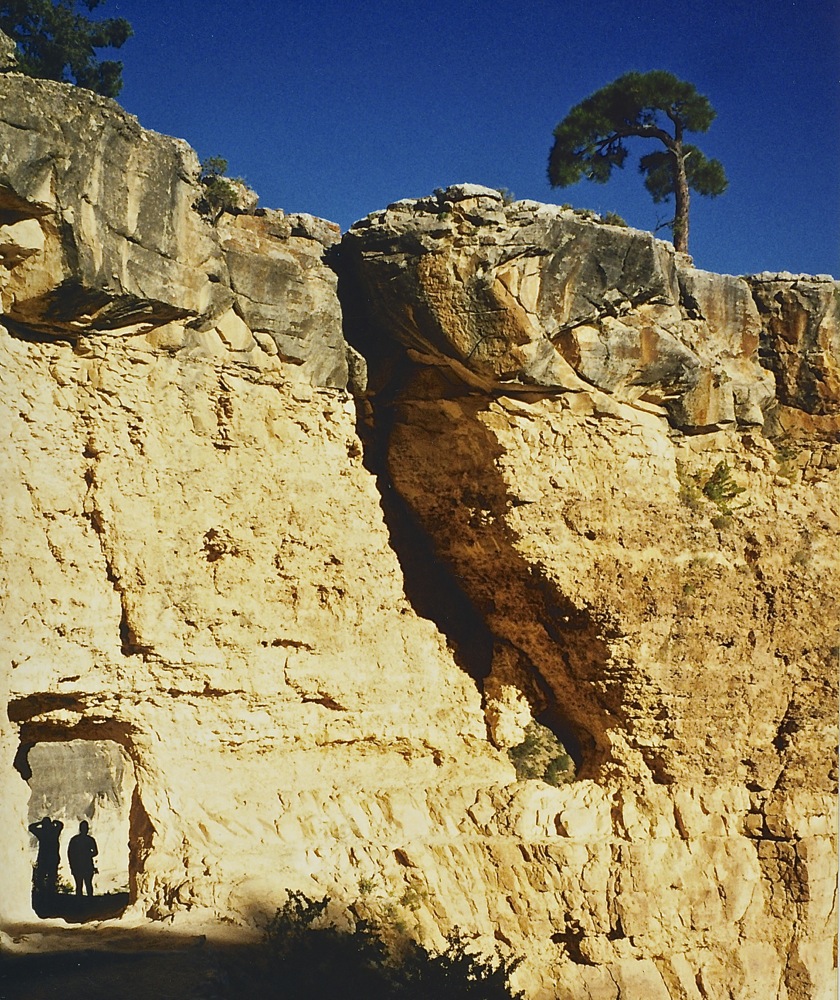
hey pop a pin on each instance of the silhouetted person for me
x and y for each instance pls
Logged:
(81, 851)
(47, 832)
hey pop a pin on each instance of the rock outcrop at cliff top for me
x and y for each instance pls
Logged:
(107, 210)
(622, 471)
(531, 296)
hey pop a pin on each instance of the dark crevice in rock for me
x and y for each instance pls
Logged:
(30, 335)
(14, 208)
(430, 586)
(129, 646)
(23, 709)
(73, 310)
(571, 941)
(474, 611)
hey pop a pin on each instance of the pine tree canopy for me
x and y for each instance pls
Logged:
(591, 140)
(57, 42)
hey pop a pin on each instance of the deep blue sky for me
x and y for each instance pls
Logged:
(337, 108)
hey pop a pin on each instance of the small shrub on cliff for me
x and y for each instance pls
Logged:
(453, 974)
(309, 961)
(717, 486)
(219, 193)
(721, 488)
(614, 219)
(541, 755)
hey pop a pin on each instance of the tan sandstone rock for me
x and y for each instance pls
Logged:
(679, 632)
(297, 631)
(104, 235)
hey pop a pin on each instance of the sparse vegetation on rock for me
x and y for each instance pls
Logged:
(306, 957)
(541, 755)
(717, 486)
(219, 192)
(613, 219)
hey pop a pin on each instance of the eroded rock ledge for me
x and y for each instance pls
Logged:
(100, 234)
(523, 297)
(198, 580)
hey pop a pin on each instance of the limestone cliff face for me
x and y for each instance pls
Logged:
(566, 395)
(217, 562)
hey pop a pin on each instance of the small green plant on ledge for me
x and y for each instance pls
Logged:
(717, 486)
(219, 193)
(614, 219)
(541, 755)
(722, 489)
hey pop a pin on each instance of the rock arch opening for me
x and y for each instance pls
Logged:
(82, 794)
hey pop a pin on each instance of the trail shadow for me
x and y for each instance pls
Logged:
(78, 909)
(194, 974)
(293, 962)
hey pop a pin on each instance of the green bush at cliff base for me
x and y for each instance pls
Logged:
(303, 959)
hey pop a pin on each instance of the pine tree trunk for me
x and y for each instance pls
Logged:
(680, 201)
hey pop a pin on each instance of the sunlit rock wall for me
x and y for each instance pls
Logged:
(314, 621)
(631, 469)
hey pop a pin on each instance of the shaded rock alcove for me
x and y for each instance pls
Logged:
(75, 782)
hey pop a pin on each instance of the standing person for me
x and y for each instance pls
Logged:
(81, 851)
(47, 832)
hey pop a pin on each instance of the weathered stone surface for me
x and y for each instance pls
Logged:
(100, 233)
(206, 540)
(674, 631)
(267, 621)
(534, 295)
(283, 289)
(800, 326)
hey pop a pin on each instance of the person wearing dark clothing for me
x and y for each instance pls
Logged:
(47, 833)
(81, 851)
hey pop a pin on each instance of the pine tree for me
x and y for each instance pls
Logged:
(591, 140)
(57, 42)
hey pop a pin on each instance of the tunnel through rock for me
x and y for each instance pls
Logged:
(71, 783)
